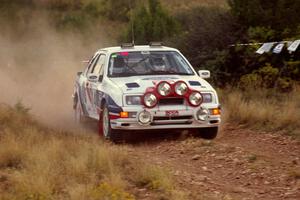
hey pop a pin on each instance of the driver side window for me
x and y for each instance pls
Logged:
(99, 65)
(92, 64)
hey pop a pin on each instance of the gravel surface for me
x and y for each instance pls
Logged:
(239, 164)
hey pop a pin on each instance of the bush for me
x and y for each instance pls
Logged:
(267, 77)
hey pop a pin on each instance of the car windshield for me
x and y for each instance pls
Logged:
(124, 64)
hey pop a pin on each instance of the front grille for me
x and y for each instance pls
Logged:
(173, 118)
(171, 101)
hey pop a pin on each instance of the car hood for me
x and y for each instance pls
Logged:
(139, 84)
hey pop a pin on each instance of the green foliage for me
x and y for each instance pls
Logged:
(277, 14)
(118, 9)
(269, 75)
(261, 34)
(266, 77)
(252, 80)
(151, 23)
(209, 31)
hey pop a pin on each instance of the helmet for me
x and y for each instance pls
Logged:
(119, 65)
(159, 64)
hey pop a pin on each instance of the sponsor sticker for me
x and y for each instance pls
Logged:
(172, 113)
(124, 54)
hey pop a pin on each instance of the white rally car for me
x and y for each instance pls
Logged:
(146, 88)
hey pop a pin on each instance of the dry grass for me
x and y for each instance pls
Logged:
(41, 164)
(263, 109)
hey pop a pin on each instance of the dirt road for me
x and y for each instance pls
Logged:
(239, 164)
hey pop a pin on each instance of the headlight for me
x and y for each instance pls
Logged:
(145, 117)
(181, 88)
(164, 89)
(195, 98)
(133, 100)
(150, 100)
(202, 115)
(207, 98)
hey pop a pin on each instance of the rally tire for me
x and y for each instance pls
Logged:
(206, 133)
(105, 127)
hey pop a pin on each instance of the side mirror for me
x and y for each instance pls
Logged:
(79, 73)
(204, 74)
(92, 78)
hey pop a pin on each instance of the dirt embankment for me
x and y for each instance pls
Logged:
(239, 164)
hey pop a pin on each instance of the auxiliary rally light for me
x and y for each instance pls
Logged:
(145, 117)
(150, 100)
(164, 89)
(181, 88)
(215, 111)
(124, 114)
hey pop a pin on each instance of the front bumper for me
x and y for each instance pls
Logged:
(184, 119)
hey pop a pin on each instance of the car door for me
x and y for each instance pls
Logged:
(87, 95)
(96, 84)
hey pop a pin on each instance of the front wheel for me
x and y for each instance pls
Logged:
(206, 133)
(105, 127)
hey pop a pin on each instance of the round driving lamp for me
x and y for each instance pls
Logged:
(150, 100)
(202, 114)
(164, 89)
(145, 117)
(181, 88)
(195, 98)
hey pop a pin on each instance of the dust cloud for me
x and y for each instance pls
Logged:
(38, 67)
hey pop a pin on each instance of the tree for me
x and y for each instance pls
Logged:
(276, 14)
(209, 32)
(151, 23)
(118, 9)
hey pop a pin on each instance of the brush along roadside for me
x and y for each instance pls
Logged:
(41, 163)
(263, 109)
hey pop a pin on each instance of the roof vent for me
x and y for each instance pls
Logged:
(127, 45)
(155, 44)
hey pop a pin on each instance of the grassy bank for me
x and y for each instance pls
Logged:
(37, 163)
(263, 109)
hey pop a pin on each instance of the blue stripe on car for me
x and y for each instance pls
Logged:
(111, 104)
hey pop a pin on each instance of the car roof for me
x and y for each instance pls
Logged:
(137, 48)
